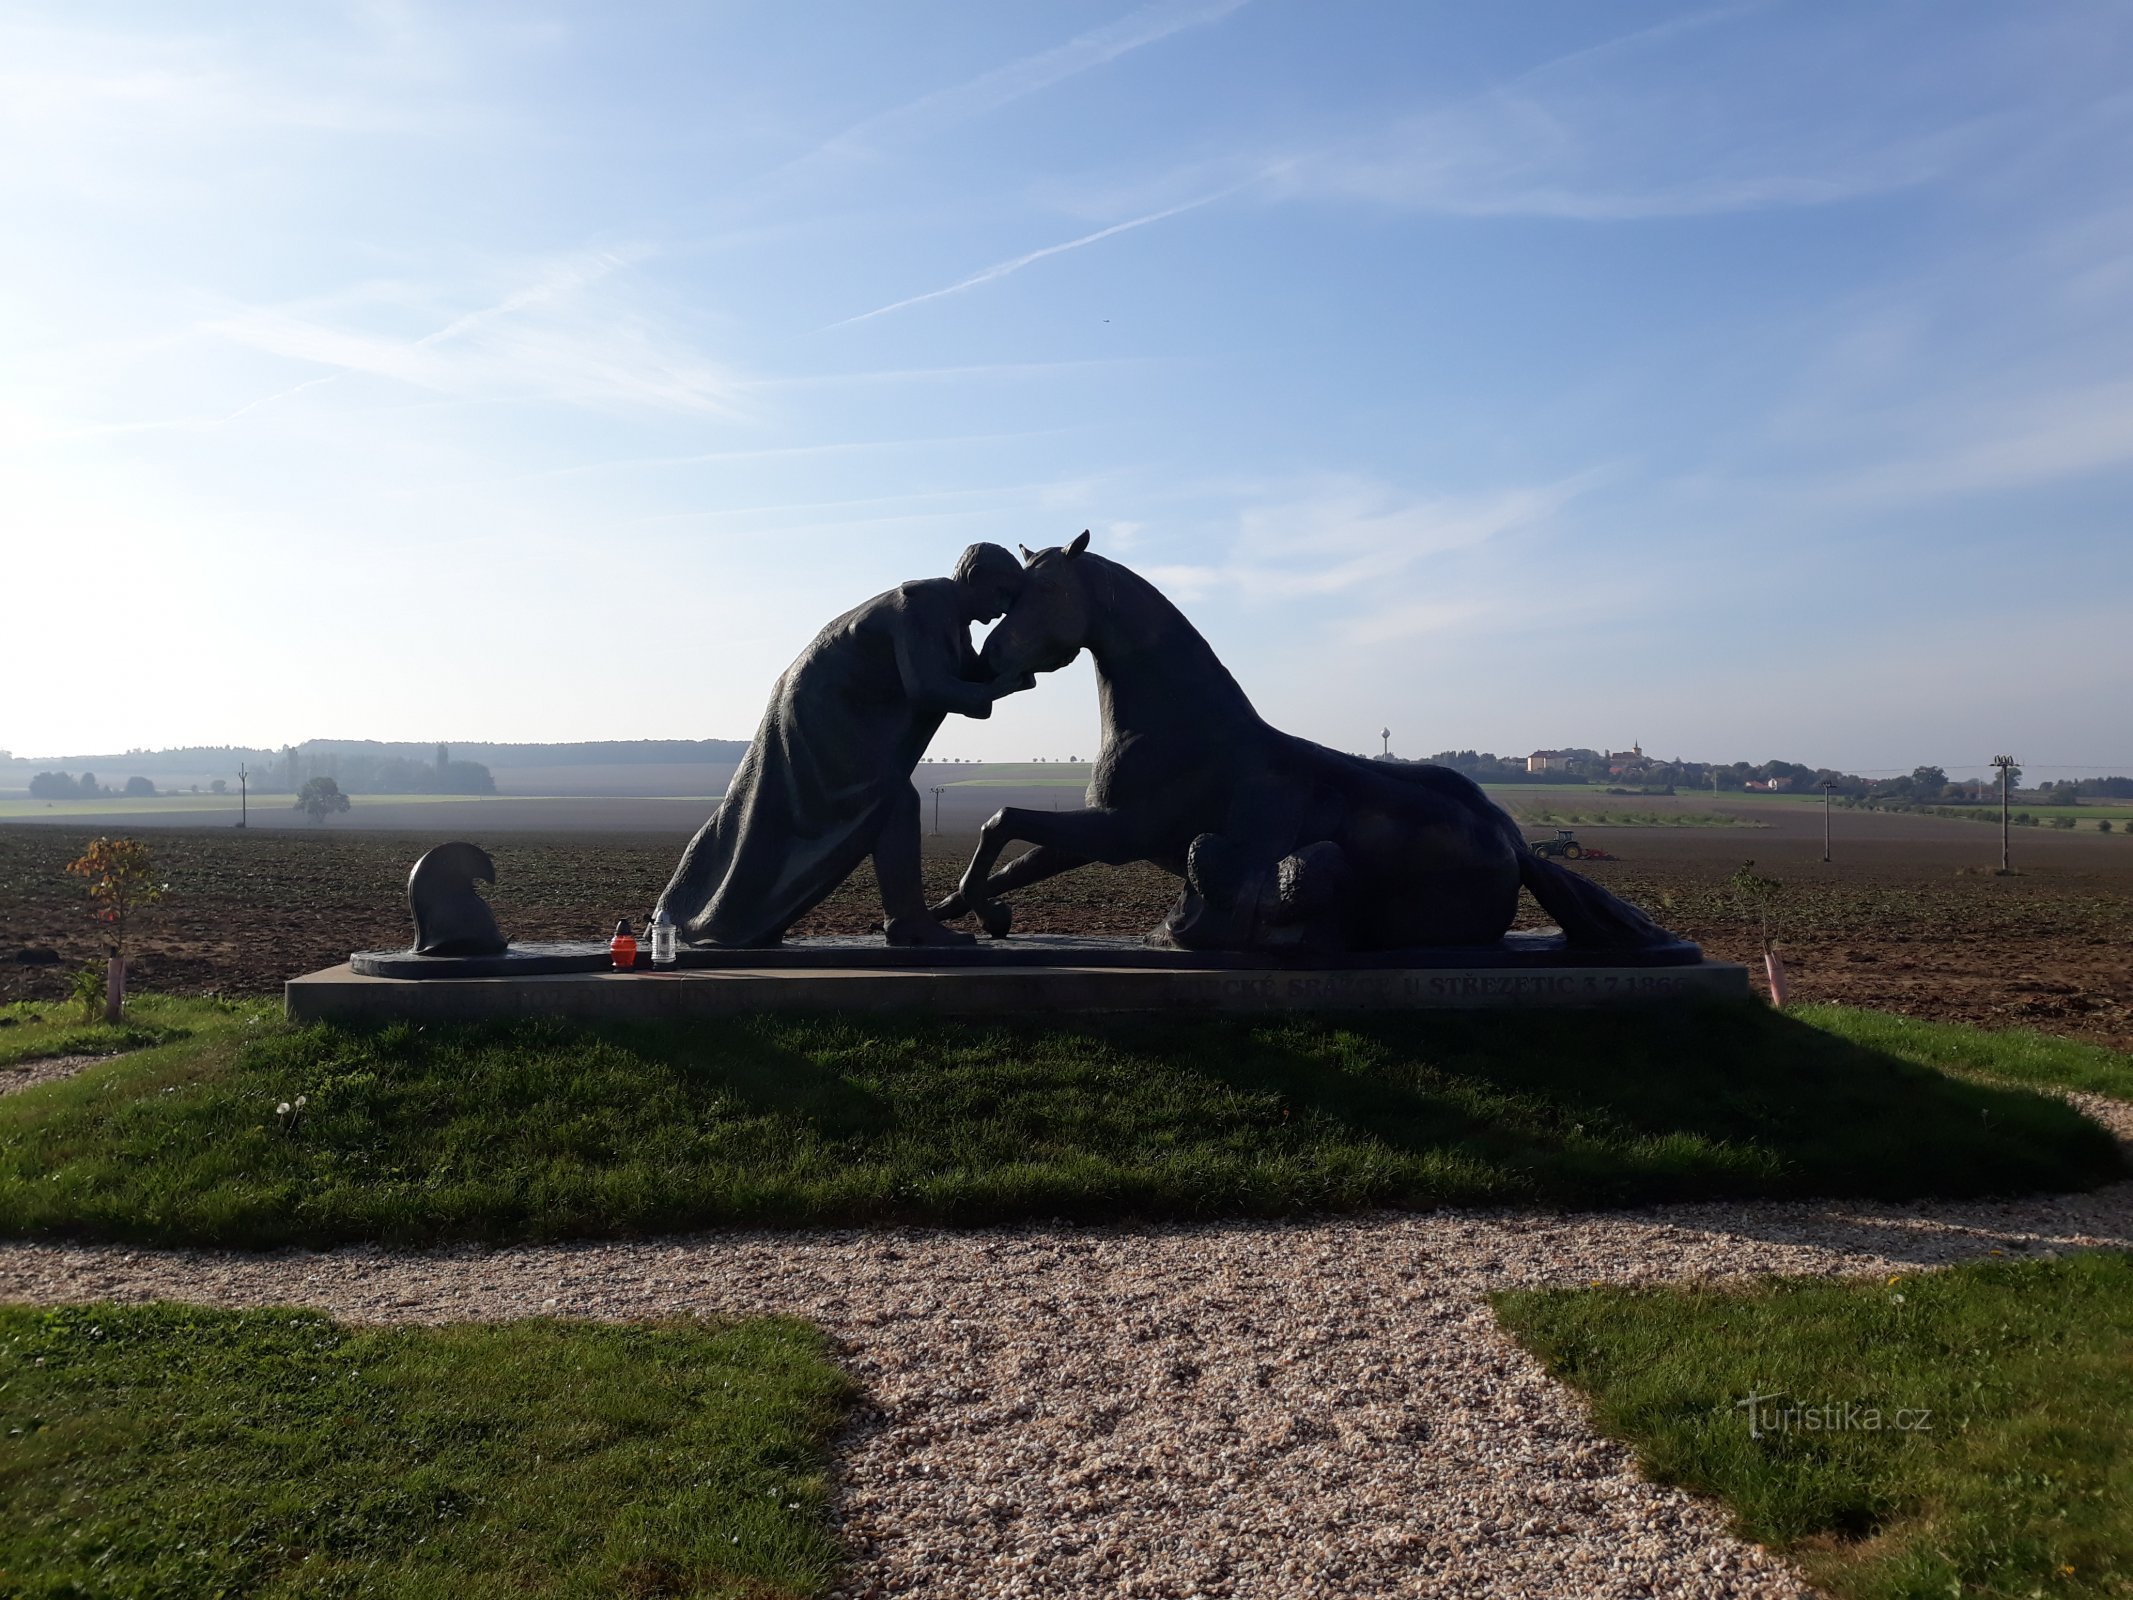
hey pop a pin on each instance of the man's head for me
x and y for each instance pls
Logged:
(991, 578)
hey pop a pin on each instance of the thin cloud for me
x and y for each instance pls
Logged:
(912, 506)
(1605, 133)
(1353, 537)
(1953, 381)
(2031, 439)
(1499, 601)
(1705, 197)
(1642, 38)
(558, 282)
(956, 374)
(945, 108)
(151, 93)
(536, 340)
(1516, 160)
(1002, 269)
(783, 452)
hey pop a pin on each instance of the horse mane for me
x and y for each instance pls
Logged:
(1124, 594)
(1142, 624)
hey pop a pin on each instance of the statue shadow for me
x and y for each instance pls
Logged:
(1567, 1110)
(1938, 1232)
(767, 1075)
(1720, 1101)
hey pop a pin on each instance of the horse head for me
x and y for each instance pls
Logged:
(1048, 623)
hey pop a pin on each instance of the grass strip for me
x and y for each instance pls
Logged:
(539, 1129)
(2016, 1055)
(172, 1450)
(1959, 1432)
(34, 1032)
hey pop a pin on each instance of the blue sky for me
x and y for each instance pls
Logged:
(1748, 380)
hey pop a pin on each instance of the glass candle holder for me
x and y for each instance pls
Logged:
(665, 942)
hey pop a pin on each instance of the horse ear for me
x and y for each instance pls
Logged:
(1080, 544)
(1028, 555)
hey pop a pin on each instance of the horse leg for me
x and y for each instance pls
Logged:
(1032, 866)
(1247, 886)
(1087, 835)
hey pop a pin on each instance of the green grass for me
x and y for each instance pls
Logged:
(1602, 788)
(2084, 818)
(1022, 772)
(542, 1130)
(34, 1031)
(2018, 1480)
(1076, 784)
(2087, 814)
(2015, 1055)
(170, 1450)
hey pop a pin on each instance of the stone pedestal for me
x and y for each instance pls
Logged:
(1029, 976)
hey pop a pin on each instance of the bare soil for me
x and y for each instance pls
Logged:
(1909, 917)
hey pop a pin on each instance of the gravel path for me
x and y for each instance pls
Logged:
(1261, 1409)
(29, 1074)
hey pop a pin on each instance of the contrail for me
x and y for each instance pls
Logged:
(944, 108)
(1002, 268)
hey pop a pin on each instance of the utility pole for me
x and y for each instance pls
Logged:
(244, 797)
(1827, 785)
(2004, 763)
(938, 790)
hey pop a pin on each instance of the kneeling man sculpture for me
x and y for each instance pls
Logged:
(827, 780)
(1282, 844)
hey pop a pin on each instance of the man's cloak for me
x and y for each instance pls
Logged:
(846, 724)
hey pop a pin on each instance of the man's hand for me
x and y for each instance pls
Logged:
(1008, 683)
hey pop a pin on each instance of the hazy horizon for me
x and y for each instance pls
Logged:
(484, 749)
(1746, 381)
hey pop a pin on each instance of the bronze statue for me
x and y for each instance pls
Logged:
(1283, 844)
(827, 780)
(451, 917)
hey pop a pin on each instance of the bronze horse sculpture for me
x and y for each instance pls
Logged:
(1282, 844)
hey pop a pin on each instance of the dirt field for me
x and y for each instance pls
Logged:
(673, 799)
(1907, 918)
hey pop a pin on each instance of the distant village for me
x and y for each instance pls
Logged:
(1633, 771)
(1634, 767)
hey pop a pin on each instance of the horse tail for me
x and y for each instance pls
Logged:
(1590, 917)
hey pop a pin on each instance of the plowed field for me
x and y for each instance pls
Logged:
(1905, 920)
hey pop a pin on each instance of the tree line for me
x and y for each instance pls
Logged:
(1925, 785)
(62, 786)
(352, 774)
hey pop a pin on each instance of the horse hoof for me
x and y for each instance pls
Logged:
(923, 931)
(995, 917)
